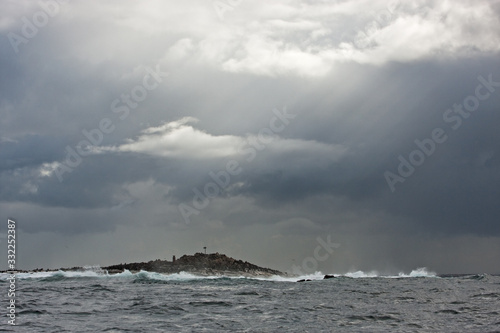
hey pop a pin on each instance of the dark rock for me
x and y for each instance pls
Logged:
(199, 263)
(327, 276)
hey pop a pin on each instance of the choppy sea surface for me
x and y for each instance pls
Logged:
(93, 301)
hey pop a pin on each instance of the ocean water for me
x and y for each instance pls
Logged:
(93, 301)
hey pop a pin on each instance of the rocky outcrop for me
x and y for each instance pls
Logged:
(327, 276)
(200, 264)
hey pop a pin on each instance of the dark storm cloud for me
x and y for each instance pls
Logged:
(29, 151)
(452, 192)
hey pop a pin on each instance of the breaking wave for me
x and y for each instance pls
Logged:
(144, 276)
(419, 272)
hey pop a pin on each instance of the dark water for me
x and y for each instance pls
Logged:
(150, 302)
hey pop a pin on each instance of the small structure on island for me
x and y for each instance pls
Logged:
(173, 258)
(205, 248)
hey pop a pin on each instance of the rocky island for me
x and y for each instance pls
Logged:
(198, 264)
(213, 264)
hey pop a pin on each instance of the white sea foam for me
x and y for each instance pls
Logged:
(419, 272)
(361, 274)
(314, 276)
(96, 272)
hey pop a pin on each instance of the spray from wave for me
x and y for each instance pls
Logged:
(419, 272)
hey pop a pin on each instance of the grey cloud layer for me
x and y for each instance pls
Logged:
(363, 88)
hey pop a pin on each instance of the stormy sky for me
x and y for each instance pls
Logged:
(299, 135)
